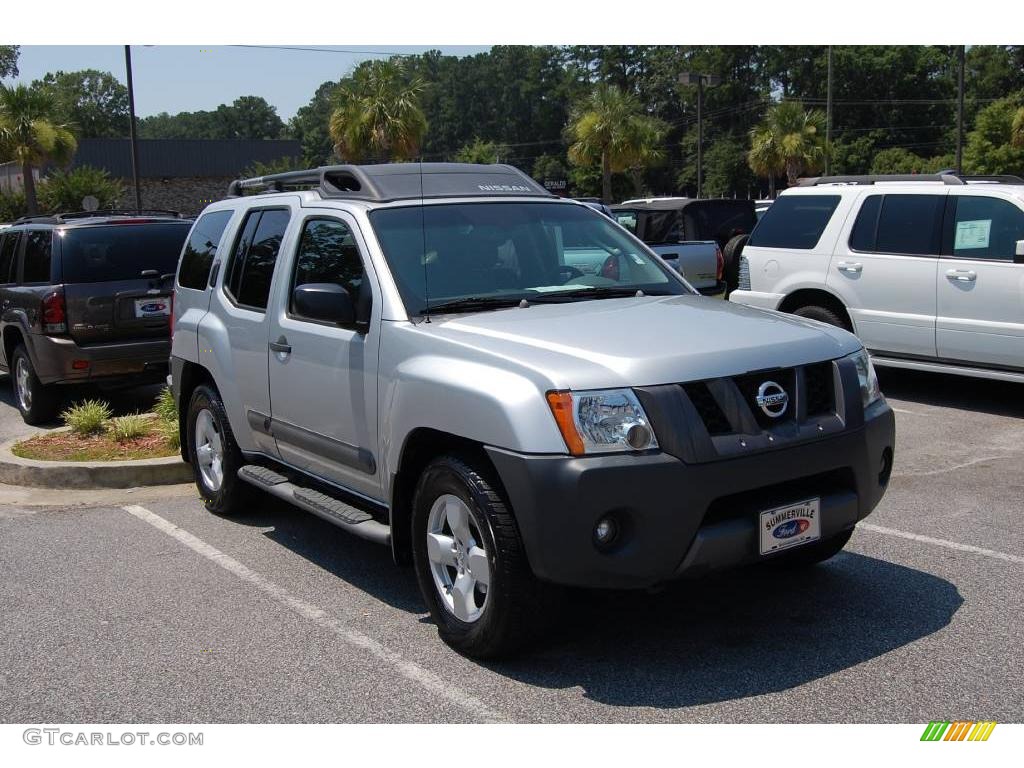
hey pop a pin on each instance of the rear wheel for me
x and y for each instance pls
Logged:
(470, 562)
(731, 260)
(37, 403)
(214, 455)
(824, 315)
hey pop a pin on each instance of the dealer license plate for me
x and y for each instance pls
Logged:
(153, 306)
(790, 526)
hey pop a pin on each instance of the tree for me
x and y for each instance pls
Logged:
(378, 115)
(481, 151)
(789, 140)
(310, 126)
(9, 60)
(94, 102)
(989, 148)
(898, 160)
(31, 135)
(248, 117)
(1017, 129)
(609, 130)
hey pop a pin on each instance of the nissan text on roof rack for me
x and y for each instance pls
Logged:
(408, 352)
(928, 270)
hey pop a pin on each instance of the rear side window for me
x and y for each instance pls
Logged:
(909, 224)
(8, 258)
(985, 228)
(252, 264)
(115, 252)
(36, 265)
(794, 221)
(201, 249)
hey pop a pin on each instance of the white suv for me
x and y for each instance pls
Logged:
(927, 270)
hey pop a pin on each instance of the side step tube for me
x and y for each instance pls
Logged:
(333, 510)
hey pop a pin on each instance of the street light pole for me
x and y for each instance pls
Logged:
(960, 111)
(699, 79)
(828, 114)
(131, 128)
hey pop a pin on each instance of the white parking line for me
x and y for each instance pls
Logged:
(408, 669)
(941, 543)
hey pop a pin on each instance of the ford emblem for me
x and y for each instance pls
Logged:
(790, 528)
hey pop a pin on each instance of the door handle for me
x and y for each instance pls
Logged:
(963, 275)
(281, 346)
(853, 267)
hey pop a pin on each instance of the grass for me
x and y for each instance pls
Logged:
(105, 445)
(165, 406)
(87, 417)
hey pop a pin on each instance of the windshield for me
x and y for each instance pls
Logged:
(507, 252)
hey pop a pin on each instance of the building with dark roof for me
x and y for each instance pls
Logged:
(181, 174)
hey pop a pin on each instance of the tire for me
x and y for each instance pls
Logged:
(36, 402)
(214, 455)
(500, 618)
(812, 554)
(823, 314)
(731, 260)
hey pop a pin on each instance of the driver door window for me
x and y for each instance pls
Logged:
(328, 254)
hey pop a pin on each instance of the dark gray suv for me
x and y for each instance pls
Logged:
(86, 298)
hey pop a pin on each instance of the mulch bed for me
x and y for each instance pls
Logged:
(67, 446)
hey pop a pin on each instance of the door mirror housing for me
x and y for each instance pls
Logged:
(325, 302)
(1018, 253)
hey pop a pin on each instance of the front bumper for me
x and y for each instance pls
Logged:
(757, 299)
(54, 358)
(678, 519)
(716, 291)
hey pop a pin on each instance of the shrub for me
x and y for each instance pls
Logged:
(63, 191)
(166, 408)
(129, 427)
(12, 205)
(168, 430)
(87, 417)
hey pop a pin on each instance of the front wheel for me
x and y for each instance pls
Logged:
(214, 455)
(470, 562)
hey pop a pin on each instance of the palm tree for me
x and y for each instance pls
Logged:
(31, 135)
(1017, 131)
(789, 140)
(609, 128)
(378, 114)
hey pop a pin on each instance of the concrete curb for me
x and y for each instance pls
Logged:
(15, 470)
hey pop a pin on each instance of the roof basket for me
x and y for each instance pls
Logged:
(953, 179)
(398, 181)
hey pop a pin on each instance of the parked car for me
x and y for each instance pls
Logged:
(761, 207)
(927, 270)
(695, 236)
(401, 351)
(85, 297)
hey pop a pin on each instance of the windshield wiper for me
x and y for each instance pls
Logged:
(592, 292)
(470, 303)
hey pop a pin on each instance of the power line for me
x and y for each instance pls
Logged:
(324, 50)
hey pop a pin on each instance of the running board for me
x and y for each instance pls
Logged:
(959, 370)
(333, 510)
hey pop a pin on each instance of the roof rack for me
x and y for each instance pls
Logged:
(58, 218)
(952, 179)
(399, 181)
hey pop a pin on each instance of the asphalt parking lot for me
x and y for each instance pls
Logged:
(162, 612)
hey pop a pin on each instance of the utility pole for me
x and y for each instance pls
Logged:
(699, 79)
(131, 128)
(960, 111)
(828, 114)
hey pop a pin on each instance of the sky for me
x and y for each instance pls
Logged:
(184, 78)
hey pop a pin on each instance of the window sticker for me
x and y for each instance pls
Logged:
(972, 234)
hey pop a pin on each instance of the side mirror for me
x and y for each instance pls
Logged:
(327, 302)
(1018, 253)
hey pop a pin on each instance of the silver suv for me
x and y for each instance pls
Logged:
(408, 352)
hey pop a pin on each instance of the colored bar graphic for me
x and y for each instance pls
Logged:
(934, 730)
(958, 730)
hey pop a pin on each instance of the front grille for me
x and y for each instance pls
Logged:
(820, 394)
(707, 407)
(744, 279)
(749, 385)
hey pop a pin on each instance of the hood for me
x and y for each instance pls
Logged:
(641, 341)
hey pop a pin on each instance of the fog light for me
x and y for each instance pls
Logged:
(605, 531)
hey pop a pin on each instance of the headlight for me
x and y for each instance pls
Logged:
(601, 421)
(869, 389)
